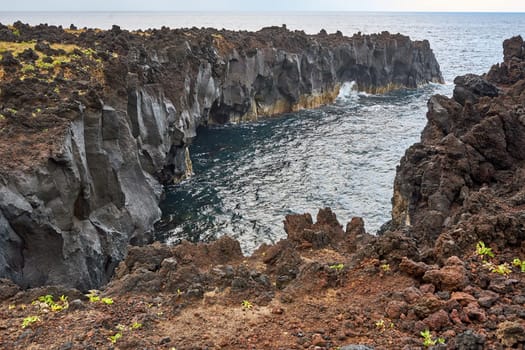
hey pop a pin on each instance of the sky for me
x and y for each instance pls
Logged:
(267, 5)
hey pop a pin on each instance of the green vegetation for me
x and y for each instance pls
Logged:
(29, 320)
(44, 65)
(519, 263)
(114, 338)
(483, 250)
(95, 298)
(92, 296)
(337, 267)
(48, 302)
(246, 305)
(53, 64)
(107, 301)
(16, 48)
(385, 267)
(504, 268)
(429, 341)
(88, 52)
(28, 68)
(121, 329)
(380, 324)
(501, 269)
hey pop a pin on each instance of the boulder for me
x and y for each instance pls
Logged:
(469, 340)
(510, 333)
(437, 321)
(470, 87)
(448, 278)
(412, 268)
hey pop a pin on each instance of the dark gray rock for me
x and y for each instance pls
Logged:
(7, 289)
(470, 87)
(356, 347)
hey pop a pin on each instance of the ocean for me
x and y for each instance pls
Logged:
(343, 156)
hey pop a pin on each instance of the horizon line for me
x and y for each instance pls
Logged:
(257, 11)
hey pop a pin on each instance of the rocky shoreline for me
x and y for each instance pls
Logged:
(447, 272)
(93, 122)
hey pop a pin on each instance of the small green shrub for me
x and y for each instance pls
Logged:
(93, 297)
(107, 301)
(29, 320)
(483, 250)
(385, 267)
(44, 65)
(28, 68)
(246, 305)
(47, 301)
(519, 263)
(337, 267)
(380, 324)
(114, 338)
(429, 341)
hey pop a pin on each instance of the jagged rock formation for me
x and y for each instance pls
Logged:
(464, 181)
(93, 121)
(325, 287)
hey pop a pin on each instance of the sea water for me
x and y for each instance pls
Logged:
(249, 176)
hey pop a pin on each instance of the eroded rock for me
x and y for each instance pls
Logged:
(122, 121)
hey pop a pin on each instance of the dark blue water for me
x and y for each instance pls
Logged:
(249, 176)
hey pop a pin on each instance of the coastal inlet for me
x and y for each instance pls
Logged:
(248, 176)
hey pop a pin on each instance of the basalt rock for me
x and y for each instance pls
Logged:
(88, 140)
(464, 181)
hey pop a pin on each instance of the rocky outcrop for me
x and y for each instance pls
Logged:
(94, 121)
(464, 181)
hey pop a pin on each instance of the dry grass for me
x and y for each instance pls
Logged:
(16, 48)
(55, 66)
(68, 48)
(77, 32)
(223, 46)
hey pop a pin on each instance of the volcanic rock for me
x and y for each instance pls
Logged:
(109, 118)
(510, 333)
(461, 183)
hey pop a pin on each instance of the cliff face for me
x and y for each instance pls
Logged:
(94, 121)
(464, 181)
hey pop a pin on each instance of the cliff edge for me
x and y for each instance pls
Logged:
(92, 122)
(464, 181)
(442, 277)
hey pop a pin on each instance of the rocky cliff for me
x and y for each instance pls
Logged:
(464, 181)
(92, 122)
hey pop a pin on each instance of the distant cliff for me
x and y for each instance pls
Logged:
(92, 122)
